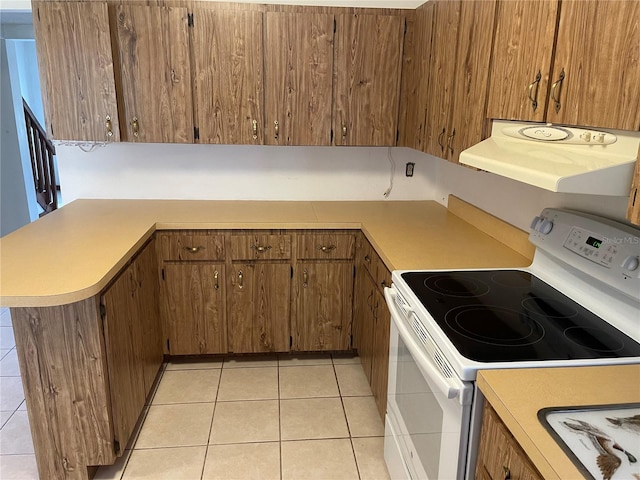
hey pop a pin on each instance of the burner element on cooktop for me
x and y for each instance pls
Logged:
(548, 307)
(494, 325)
(594, 339)
(456, 286)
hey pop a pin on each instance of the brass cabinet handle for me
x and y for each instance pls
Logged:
(440, 140)
(135, 126)
(216, 283)
(194, 249)
(305, 278)
(534, 98)
(450, 140)
(507, 473)
(557, 86)
(367, 258)
(240, 279)
(255, 129)
(108, 125)
(260, 249)
(276, 129)
(383, 284)
(326, 248)
(344, 132)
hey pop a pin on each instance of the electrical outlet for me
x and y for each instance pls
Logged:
(408, 171)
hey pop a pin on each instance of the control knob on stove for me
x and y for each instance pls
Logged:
(545, 226)
(630, 263)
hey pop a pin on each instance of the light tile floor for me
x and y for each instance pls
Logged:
(281, 418)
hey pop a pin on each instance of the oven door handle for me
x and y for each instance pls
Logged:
(450, 387)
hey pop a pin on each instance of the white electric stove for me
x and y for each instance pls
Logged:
(578, 304)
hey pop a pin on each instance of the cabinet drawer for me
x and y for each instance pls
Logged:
(260, 247)
(192, 246)
(329, 246)
(380, 273)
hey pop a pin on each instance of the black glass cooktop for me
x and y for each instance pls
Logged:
(509, 315)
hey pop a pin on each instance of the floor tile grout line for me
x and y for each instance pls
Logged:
(213, 415)
(279, 421)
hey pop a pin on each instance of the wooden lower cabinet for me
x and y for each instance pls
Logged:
(87, 368)
(324, 292)
(259, 303)
(194, 308)
(499, 455)
(372, 321)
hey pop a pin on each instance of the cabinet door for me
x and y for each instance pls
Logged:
(598, 50)
(442, 76)
(363, 322)
(368, 55)
(126, 376)
(298, 78)
(76, 70)
(227, 49)
(380, 361)
(415, 96)
(155, 69)
(522, 49)
(325, 302)
(148, 307)
(194, 308)
(259, 307)
(473, 55)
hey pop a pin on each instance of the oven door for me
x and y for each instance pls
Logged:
(428, 412)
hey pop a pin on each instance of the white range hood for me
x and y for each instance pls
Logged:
(558, 158)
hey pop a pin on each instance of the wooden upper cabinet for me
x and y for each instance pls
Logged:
(473, 56)
(228, 71)
(155, 73)
(522, 52)
(415, 78)
(298, 78)
(598, 51)
(442, 76)
(76, 70)
(368, 55)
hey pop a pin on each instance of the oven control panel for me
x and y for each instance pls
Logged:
(591, 246)
(604, 249)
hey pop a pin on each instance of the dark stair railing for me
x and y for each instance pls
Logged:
(42, 151)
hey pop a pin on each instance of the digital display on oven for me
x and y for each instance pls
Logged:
(594, 242)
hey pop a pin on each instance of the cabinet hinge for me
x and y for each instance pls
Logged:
(354, 271)
(335, 25)
(290, 341)
(38, 14)
(291, 272)
(196, 133)
(168, 345)
(397, 136)
(190, 19)
(116, 446)
(351, 344)
(331, 138)
(103, 311)
(163, 274)
(405, 26)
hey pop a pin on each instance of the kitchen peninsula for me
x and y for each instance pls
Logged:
(84, 375)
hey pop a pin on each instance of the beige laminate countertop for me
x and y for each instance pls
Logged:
(518, 394)
(73, 253)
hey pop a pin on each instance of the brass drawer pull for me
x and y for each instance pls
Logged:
(109, 126)
(326, 249)
(240, 279)
(507, 473)
(194, 249)
(216, 284)
(135, 126)
(255, 129)
(534, 98)
(557, 85)
(367, 258)
(305, 278)
(276, 130)
(260, 249)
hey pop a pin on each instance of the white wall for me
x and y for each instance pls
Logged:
(216, 172)
(302, 173)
